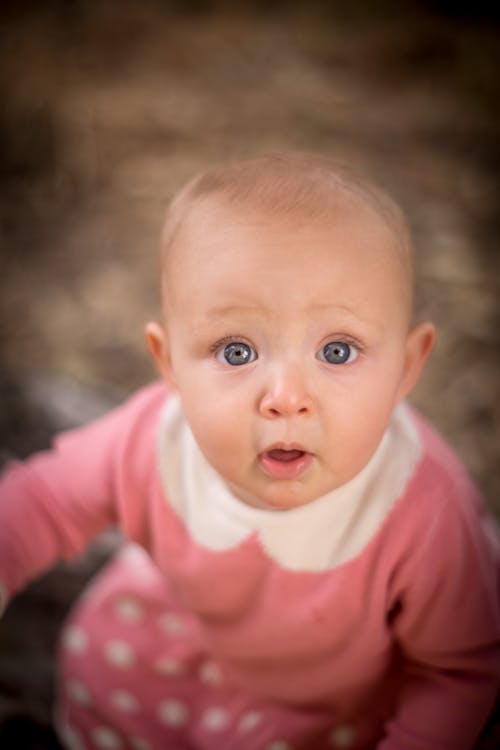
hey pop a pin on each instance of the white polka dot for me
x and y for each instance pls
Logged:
(139, 565)
(119, 653)
(169, 667)
(215, 719)
(124, 701)
(106, 738)
(249, 721)
(72, 739)
(133, 553)
(128, 609)
(210, 673)
(75, 639)
(279, 745)
(78, 692)
(172, 712)
(171, 624)
(343, 736)
(139, 744)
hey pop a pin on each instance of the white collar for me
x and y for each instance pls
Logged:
(315, 537)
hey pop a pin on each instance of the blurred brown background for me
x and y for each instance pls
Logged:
(107, 107)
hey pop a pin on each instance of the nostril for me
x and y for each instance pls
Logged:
(285, 403)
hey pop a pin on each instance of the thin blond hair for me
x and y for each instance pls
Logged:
(293, 185)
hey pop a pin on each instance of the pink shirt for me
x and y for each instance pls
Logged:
(378, 604)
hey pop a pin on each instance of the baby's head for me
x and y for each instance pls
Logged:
(287, 302)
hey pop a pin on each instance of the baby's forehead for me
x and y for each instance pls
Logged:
(216, 213)
(243, 255)
(284, 193)
(290, 186)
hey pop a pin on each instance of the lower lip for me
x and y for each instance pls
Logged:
(285, 469)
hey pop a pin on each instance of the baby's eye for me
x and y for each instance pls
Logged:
(337, 353)
(237, 353)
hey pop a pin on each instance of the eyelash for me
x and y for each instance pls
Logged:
(220, 344)
(241, 349)
(341, 341)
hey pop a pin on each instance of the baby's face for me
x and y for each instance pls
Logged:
(287, 343)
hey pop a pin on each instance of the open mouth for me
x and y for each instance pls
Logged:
(280, 454)
(283, 463)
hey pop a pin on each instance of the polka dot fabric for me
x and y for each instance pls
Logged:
(136, 675)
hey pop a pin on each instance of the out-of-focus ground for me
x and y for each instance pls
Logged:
(107, 108)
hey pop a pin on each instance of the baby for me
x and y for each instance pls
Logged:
(309, 565)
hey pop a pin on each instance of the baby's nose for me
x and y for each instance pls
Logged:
(286, 395)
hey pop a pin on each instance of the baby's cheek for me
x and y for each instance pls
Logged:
(213, 437)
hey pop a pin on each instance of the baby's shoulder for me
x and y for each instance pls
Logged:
(440, 468)
(441, 488)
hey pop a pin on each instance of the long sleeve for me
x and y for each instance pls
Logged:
(448, 626)
(52, 505)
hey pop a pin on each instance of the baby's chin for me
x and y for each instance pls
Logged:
(279, 496)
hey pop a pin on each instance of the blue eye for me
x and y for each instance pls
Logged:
(237, 353)
(337, 353)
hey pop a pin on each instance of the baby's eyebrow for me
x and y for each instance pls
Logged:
(222, 311)
(329, 306)
(342, 313)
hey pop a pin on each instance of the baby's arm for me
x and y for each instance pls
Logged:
(52, 505)
(449, 632)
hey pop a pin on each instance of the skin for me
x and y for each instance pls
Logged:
(284, 288)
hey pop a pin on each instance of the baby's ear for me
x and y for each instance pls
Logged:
(419, 345)
(156, 339)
